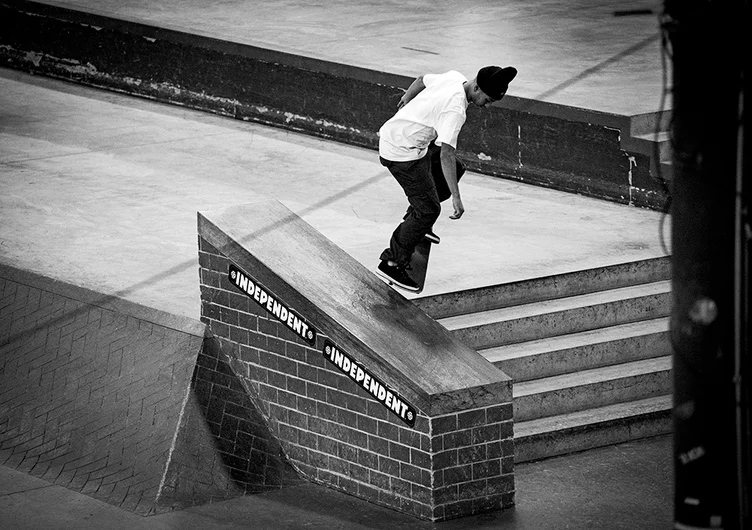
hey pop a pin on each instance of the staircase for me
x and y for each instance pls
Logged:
(588, 351)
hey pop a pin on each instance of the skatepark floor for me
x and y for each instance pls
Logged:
(621, 487)
(603, 55)
(102, 190)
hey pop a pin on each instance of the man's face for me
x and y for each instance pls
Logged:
(480, 98)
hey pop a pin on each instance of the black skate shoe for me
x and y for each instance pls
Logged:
(396, 276)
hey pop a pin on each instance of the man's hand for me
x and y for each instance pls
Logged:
(449, 168)
(459, 208)
(414, 89)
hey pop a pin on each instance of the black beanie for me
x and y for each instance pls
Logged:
(494, 80)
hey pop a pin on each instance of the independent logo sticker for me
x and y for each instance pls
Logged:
(361, 376)
(273, 305)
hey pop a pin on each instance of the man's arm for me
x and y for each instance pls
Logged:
(411, 92)
(449, 168)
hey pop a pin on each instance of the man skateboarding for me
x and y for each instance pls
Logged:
(431, 114)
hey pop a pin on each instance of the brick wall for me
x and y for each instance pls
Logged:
(124, 403)
(335, 432)
(223, 447)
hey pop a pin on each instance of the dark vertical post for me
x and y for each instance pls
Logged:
(706, 40)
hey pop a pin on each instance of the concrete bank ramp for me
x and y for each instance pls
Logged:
(364, 391)
(122, 402)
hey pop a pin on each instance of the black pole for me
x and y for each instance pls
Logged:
(706, 45)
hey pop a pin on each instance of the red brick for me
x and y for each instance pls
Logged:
(359, 439)
(487, 433)
(308, 439)
(248, 354)
(507, 465)
(380, 480)
(287, 399)
(502, 484)
(366, 424)
(401, 487)
(458, 509)
(326, 411)
(389, 466)
(421, 459)
(331, 380)
(335, 397)
(268, 327)
(348, 418)
(307, 372)
(268, 360)
(369, 494)
(474, 453)
(315, 391)
(458, 474)
(358, 473)
(414, 474)
(507, 430)
(483, 470)
(456, 439)
(307, 406)
(275, 345)
(296, 386)
(376, 410)
(388, 431)
(367, 459)
(337, 465)
(276, 379)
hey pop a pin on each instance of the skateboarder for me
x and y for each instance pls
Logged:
(430, 116)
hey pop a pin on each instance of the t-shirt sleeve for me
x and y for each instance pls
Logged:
(448, 127)
(429, 79)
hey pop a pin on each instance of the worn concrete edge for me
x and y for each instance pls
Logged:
(493, 386)
(109, 302)
(180, 35)
(546, 287)
(147, 29)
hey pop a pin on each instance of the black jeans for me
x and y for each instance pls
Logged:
(425, 187)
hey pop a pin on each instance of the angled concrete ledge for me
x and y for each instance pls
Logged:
(283, 301)
(353, 307)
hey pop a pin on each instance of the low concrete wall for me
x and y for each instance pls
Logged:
(365, 392)
(124, 403)
(548, 145)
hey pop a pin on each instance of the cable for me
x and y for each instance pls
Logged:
(666, 21)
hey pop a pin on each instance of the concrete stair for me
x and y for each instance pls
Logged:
(588, 351)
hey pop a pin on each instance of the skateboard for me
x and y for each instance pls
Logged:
(419, 265)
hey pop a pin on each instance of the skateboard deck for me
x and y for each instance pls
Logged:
(419, 265)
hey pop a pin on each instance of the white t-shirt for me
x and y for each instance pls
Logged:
(438, 113)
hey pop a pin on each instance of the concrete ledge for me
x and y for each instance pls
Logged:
(288, 307)
(103, 301)
(554, 146)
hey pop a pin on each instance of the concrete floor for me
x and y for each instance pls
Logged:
(622, 487)
(568, 52)
(102, 190)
